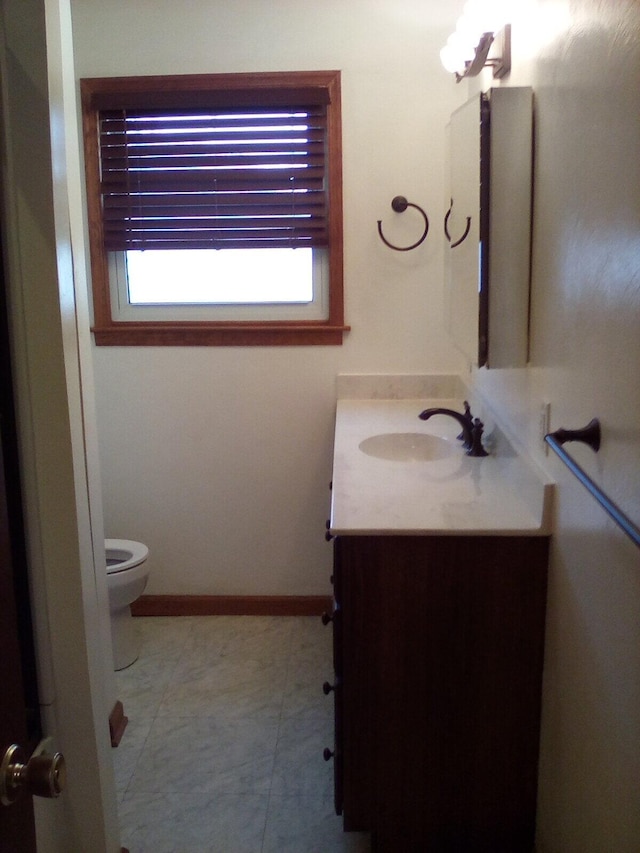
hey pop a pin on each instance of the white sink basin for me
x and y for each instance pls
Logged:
(408, 447)
(422, 482)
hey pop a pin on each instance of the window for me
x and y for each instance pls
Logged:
(215, 212)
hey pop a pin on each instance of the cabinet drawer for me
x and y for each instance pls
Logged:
(442, 643)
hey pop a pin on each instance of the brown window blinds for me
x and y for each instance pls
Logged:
(216, 175)
(183, 188)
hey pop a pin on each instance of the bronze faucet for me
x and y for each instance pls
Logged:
(471, 434)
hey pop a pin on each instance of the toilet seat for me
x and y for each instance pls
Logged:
(123, 554)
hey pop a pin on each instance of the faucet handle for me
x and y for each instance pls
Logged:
(476, 448)
(467, 413)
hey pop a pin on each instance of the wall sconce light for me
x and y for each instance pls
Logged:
(482, 38)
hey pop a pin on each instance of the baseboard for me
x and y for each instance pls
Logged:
(231, 605)
(117, 723)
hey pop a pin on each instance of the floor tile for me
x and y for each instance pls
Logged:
(265, 638)
(231, 686)
(299, 767)
(308, 825)
(193, 823)
(125, 759)
(206, 754)
(223, 751)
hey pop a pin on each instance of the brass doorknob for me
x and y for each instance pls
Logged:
(43, 775)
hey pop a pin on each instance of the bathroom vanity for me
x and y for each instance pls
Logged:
(440, 570)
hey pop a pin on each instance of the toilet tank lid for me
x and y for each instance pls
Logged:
(127, 552)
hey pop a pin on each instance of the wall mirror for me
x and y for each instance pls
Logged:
(488, 227)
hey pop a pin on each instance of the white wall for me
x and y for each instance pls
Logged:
(585, 360)
(219, 459)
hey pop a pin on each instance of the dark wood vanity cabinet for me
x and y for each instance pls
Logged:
(438, 652)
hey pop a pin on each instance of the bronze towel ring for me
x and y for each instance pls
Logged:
(400, 204)
(446, 228)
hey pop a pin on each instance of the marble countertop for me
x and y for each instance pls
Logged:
(501, 494)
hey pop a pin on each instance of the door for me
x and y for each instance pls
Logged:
(19, 721)
(42, 206)
(17, 828)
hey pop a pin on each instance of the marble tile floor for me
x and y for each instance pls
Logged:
(223, 750)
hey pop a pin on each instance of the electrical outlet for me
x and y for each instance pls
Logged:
(543, 424)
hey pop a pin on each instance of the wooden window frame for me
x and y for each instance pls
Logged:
(153, 91)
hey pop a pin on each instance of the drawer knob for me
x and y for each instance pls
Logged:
(326, 618)
(327, 688)
(327, 754)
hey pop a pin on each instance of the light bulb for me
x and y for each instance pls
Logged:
(495, 15)
(451, 59)
(472, 24)
(464, 42)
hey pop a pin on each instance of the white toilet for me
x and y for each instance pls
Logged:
(127, 576)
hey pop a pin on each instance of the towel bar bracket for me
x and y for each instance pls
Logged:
(591, 435)
(587, 435)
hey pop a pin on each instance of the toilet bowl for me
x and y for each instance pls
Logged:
(127, 575)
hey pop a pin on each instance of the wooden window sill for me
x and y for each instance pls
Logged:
(218, 334)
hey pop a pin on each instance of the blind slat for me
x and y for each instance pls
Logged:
(210, 181)
(223, 162)
(174, 125)
(217, 229)
(220, 240)
(198, 147)
(315, 210)
(204, 198)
